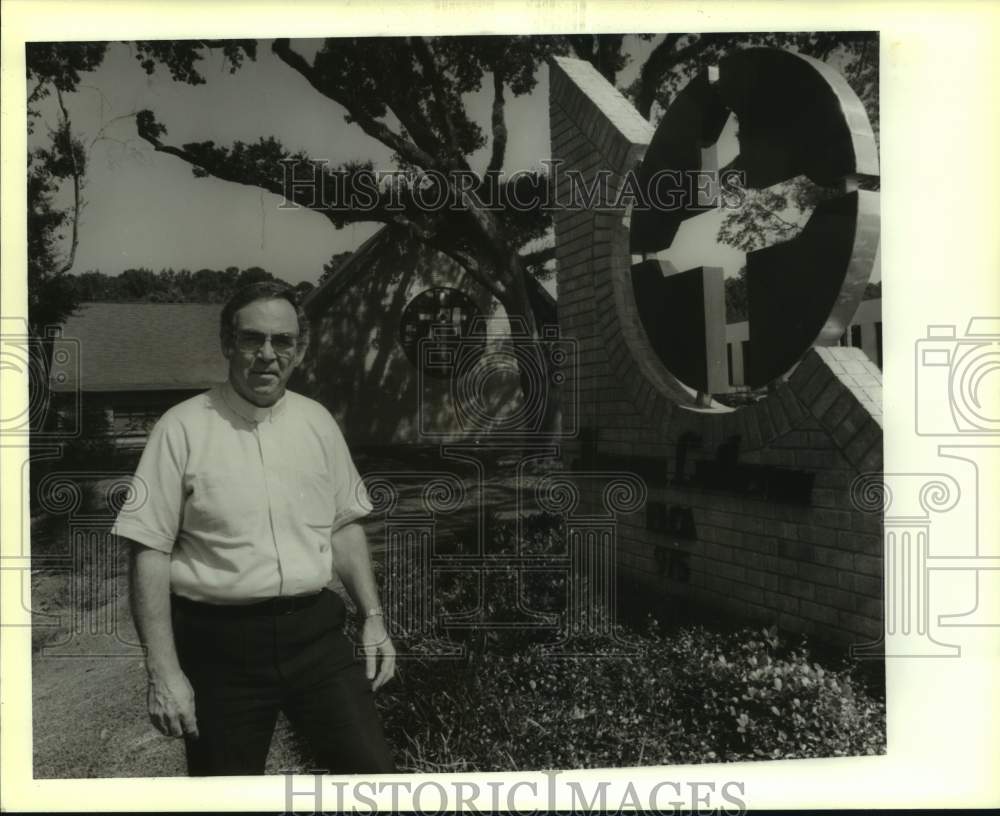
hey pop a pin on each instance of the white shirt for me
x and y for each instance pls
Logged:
(244, 498)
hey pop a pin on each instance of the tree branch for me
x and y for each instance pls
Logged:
(149, 131)
(77, 173)
(582, 45)
(784, 225)
(539, 257)
(603, 51)
(377, 130)
(653, 69)
(609, 55)
(244, 174)
(33, 96)
(434, 239)
(430, 68)
(499, 125)
(663, 58)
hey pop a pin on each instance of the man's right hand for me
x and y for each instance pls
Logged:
(171, 705)
(170, 697)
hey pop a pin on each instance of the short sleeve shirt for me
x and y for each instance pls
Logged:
(245, 499)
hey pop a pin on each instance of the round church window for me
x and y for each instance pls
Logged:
(440, 333)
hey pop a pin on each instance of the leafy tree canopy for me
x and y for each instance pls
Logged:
(169, 286)
(54, 68)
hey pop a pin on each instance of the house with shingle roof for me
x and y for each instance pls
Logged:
(136, 360)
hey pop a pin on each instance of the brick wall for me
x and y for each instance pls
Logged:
(810, 563)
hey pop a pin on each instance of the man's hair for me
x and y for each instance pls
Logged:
(263, 290)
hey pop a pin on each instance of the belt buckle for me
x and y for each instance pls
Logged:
(286, 606)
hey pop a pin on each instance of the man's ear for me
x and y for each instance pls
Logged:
(226, 341)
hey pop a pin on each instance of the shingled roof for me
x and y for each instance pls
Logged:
(143, 347)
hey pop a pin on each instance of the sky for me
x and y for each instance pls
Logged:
(148, 209)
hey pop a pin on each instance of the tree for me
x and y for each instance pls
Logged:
(251, 275)
(603, 51)
(406, 93)
(60, 160)
(168, 286)
(737, 301)
(337, 260)
(873, 291)
(137, 283)
(303, 288)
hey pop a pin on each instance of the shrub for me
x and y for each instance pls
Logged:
(688, 695)
(747, 696)
(94, 448)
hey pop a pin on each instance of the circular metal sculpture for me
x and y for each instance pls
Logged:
(445, 319)
(797, 117)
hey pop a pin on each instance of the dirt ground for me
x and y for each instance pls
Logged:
(89, 712)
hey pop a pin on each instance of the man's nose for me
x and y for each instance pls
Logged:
(266, 350)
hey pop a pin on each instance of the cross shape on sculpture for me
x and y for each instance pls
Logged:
(797, 117)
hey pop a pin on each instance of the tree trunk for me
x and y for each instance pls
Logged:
(537, 366)
(40, 350)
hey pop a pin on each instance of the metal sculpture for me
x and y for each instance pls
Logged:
(797, 117)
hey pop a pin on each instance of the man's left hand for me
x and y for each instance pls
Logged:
(375, 642)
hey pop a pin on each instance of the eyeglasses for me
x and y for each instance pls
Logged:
(250, 342)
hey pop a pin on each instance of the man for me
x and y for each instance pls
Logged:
(252, 503)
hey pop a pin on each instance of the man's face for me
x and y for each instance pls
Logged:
(263, 350)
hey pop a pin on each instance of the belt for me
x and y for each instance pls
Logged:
(284, 605)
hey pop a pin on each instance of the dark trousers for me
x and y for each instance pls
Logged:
(247, 663)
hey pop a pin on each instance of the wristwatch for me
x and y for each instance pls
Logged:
(374, 612)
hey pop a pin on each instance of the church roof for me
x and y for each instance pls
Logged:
(141, 347)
